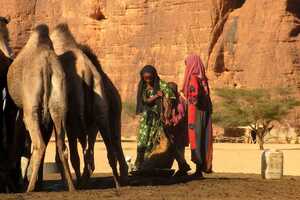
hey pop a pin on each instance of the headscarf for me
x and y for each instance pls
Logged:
(194, 66)
(140, 107)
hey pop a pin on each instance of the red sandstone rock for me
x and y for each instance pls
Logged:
(259, 45)
(256, 43)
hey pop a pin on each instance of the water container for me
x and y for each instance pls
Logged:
(272, 164)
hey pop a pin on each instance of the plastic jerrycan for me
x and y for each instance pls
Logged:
(272, 164)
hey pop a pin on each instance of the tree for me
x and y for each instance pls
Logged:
(255, 108)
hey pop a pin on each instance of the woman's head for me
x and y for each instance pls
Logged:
(194, 66)
(148, 77)
(149, 74)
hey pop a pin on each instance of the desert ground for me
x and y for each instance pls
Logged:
(213, 187)
(236, 167)
(228, 157)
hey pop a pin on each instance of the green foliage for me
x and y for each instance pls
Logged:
(245, 107)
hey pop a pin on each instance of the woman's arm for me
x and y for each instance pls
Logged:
(153, 98)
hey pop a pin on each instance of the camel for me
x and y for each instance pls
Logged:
(90, 108)
(115, 110)
(7, 182)
(37, 85)
(5, 61)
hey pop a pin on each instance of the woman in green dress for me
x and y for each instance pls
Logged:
(151, 90)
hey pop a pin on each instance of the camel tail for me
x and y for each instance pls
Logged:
(47, 91)
(56, 91)
(58, 95)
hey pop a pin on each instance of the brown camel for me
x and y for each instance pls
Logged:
(7, 167)
(37, 85)
(5, 61)
(89, 107)
(115, 110)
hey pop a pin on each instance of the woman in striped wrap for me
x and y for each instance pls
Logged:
(196, 91)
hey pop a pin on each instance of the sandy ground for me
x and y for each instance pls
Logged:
(237, 167)
(213, 187)
(228, 158)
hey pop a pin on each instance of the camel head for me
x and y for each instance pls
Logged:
(4, 38)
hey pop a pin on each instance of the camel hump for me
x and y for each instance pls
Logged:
(62, 27)
(42, 30)
(33, 59)
(38, 39)
(62, 39)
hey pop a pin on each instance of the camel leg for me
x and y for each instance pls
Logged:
(83, 142)
(10, 113)
(122, 162)
(91, 149)
(116, 128)
(25, 153)
(47, 135)
(88, 149)
(62, 150)
(74, 156)
(39, 183)
(59, 164)
(101, 110)
(25, 157)
(23, 147)
(58, 111)
(104, 130)
(32, 123)
(89, 153)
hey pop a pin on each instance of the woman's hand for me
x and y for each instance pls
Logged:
(156, 96)
(159, 94)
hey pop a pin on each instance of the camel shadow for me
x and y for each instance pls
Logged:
(105, 181)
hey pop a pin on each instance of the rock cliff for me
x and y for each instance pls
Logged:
(244, 43)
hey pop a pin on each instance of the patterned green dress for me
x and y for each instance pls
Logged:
(150, 122)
